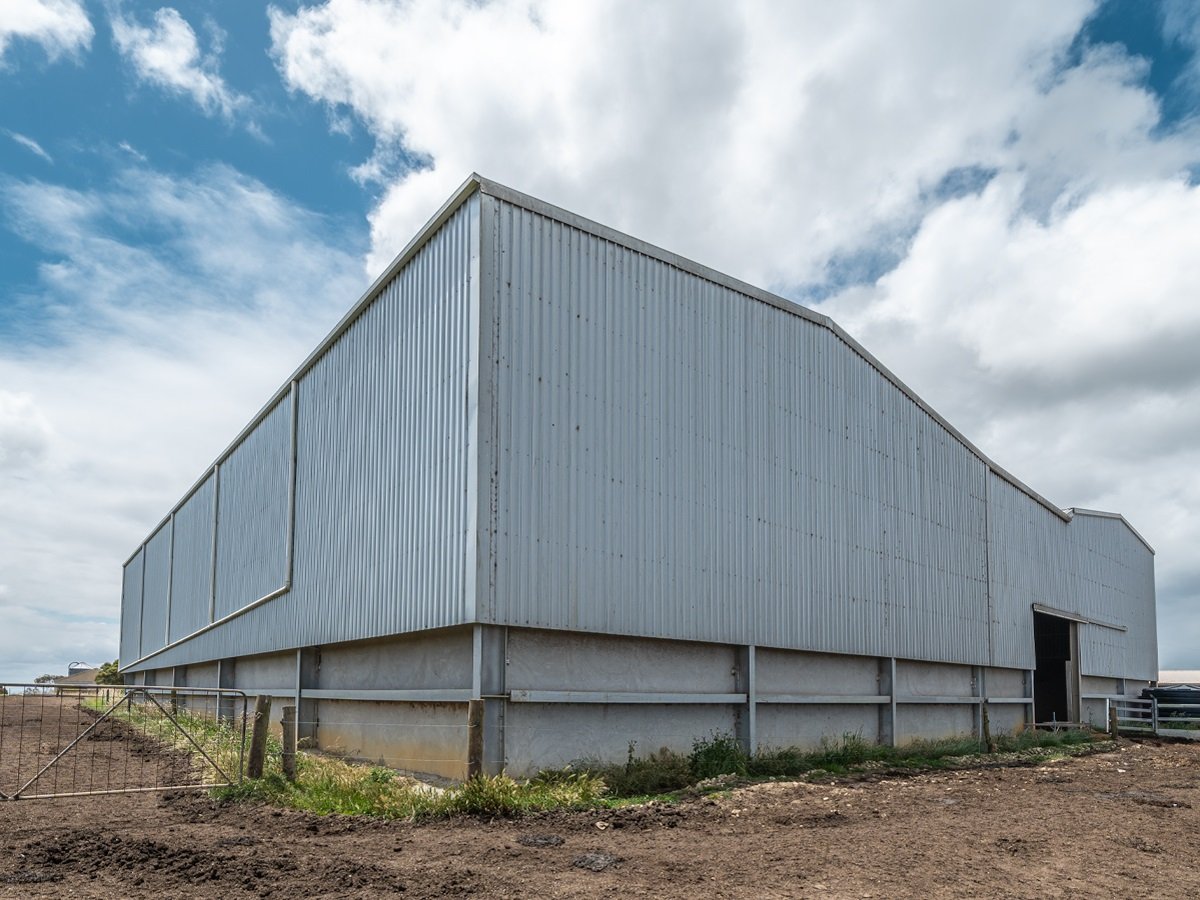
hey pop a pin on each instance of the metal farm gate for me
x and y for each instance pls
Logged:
(75, 740)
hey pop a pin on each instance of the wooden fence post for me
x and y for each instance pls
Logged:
(289, 743)
(258, 740)
(474, 738)
(986, 722)
(1114, 725)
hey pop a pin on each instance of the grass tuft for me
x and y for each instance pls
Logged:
(330, 785)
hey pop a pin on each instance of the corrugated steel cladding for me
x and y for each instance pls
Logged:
(381, 506)
(131, 606)
(697, 465)
(665, 456)
(192, 569)
(1095, 565)
(252, 513)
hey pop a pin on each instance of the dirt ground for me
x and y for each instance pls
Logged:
(109, 755)
(1118, 824)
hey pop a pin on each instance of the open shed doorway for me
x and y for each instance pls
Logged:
(1055, 698)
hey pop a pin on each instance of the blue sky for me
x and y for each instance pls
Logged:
(190, 196)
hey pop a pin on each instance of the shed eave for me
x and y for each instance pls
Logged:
(447, 209)
(604, 232)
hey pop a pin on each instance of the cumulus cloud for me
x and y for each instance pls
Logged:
(1066, 346)
(145, 358)
(61, 27)
(764, 138)
(1001, 216)
(167, 54)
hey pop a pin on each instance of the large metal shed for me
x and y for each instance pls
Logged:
(620, 497)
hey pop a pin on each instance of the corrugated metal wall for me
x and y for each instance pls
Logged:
(665, 456)
(254, 485)
(678, 460)
(155, 592)
(191, 572)
(381, 506)
(131, 607)
(1093, 566)
(381, 485)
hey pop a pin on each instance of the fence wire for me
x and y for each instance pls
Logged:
(97, 739)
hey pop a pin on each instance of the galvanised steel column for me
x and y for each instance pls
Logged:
(489, 646)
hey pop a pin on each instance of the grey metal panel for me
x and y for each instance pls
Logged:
(381, 505)
(252, 515)
(381, 483)
(677, 460)
(1094, 566)
(1115, 581)
(659, 450)
(156, 590)
(131, 608)
(191, 572)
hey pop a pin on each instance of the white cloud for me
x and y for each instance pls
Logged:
(1047, 307)
(132, 151)
(1066, 347)
(61, 27)
(762, 138)
(24, 432)
(153, 355)
(31, 145)
(1181, 25)
(167, 55)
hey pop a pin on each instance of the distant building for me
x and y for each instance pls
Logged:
(1188, 677)
(80, 673)
(620, 498)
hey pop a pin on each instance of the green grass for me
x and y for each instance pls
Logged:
(330, 785)
(666, 772)
(326, 785)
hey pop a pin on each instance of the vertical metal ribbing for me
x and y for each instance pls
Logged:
(892, 699)
(170, 582)
(212, 590)
(142, 600)
(121, 625)
(751, 701)
(987, 561)
(291, 520)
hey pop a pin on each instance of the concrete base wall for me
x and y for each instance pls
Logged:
(434, 660)
(807, 726)
(557, 698)
(550, 735)
(428, 738)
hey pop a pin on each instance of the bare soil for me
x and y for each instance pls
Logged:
(1118, 824)
(55, 745)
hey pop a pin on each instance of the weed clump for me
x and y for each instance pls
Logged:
(718, 754)
(325, 785)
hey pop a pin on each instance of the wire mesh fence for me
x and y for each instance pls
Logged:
(58, 741)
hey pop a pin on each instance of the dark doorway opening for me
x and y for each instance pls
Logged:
(1052, 649)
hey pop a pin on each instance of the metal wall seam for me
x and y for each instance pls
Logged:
(253, 499)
